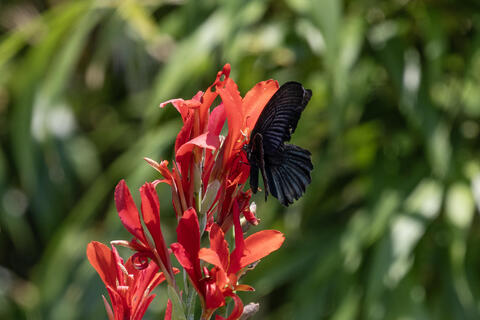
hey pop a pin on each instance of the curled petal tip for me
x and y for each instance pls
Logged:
(151, 162)
(226, 69)
(122, 243)
(172, 101)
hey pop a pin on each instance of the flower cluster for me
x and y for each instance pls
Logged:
(207, 180)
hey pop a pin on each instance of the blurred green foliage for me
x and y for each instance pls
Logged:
(388, 228)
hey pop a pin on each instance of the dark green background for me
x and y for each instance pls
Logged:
(389, 227)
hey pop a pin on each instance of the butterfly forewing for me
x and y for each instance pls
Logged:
(280, 116)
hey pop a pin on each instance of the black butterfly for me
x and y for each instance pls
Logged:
(285, 168)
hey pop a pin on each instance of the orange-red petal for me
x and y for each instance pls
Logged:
(237, 309)
(151, 217)
(232, 102)
(182, 256)
(217, 119)
(188, 246)
(151, 213)
(256, 99)
(239, 250)
(210, 256)
(188, 232)
(206, 140)
(213, 293)
(219, 245)
(102, 259)
(244, 287)
(260, 245)
(168, 311)
(183, 106)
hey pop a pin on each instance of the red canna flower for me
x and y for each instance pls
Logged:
(129, 288)
(214, 285)
(209, 170)
(130, 217)
(229, 267)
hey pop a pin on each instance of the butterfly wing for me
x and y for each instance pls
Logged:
(280, 116)
(285, 168)
(289, 175)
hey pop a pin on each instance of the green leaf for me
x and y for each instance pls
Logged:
(178, 312)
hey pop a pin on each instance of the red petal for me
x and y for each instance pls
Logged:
(120, 308)
(237, 309)
(182, 256)
(256, 99)
(215, 125)
(210, 256)
(206, 140)
(224, 72)
(233, 108)
(183, 106)
(239, 250)
(207, 100)
(217, 120)
(191, 265)
(142, 308)
(186, 132)
(220, 246)
(213, 296)
(209, 97)
(188, 236)
(102, 259)
(118, 261)
(260, 245)
(161, 167)
(168, 311)
(147, 279)
(160, 277)
(151, 217)
(244, 287)
(188, 232)
(150, 209)
(179, 104)
(128, 212)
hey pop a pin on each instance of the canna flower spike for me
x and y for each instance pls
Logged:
(207, 178)
(209, 170)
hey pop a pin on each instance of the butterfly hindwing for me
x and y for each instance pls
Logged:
(289, 176)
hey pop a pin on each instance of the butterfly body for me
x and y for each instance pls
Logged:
(285, 168)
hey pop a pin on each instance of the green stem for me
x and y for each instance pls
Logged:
(190, 307)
